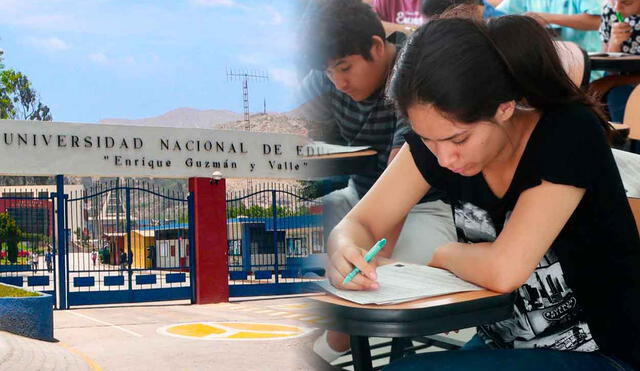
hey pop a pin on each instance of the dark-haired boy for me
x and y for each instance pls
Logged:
(351, 60)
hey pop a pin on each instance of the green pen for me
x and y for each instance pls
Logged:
(619, 16)
(367, 257)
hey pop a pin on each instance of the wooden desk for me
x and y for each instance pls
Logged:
(619, 64)
(416, 318)
(343, 163)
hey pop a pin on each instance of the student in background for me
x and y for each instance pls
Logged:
(123, 260)
(578, 19)
(48, 258)
(481, 9)
(619, 37)
(537, 197)
(398, 15)
(34, 260)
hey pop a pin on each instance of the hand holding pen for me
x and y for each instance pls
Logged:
(367, 257)
(620, 32)
(342, 273)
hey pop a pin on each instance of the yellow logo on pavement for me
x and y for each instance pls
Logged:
(233, 331)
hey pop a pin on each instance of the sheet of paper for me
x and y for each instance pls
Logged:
(400, 282)
(610, 54)
(629, 167)
(322, 148)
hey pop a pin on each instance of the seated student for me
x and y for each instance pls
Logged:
(524, 158)
(619, 37)
(345, 92)
(578, 19)
(398, 15)
(483, 9)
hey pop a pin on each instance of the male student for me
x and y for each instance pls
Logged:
(346, 46)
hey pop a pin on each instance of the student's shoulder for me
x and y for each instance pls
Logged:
(571, 128)
(591, 7)
(573, 117)
(607, 11)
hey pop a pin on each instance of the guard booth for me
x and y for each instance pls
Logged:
(172, 247)
(141, 242)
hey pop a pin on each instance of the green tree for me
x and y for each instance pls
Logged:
(10, 233)
(19, 100)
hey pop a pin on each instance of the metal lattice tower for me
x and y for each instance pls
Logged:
(245, 76)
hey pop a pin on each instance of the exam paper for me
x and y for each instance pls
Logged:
(401, 282)
(611, 54)
(629, 167)
(321, 148)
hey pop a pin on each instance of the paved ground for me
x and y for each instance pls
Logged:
(176, 336)
(131, 337)
(21, 353)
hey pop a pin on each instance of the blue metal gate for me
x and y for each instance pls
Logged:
(127, 243)
(275, 241)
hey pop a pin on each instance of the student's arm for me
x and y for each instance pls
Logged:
(583, 21)
(505, 264)
(376, 216)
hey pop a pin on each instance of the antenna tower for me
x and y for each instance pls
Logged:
(245, 76)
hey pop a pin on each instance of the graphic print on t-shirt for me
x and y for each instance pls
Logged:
(546, 313)
(409, 17)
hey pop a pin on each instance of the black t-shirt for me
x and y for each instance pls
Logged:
(585, 293)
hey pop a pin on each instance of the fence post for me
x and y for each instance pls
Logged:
(62, 242)
(128, 226)
(274, 211)
(192, 250)
(210, 235)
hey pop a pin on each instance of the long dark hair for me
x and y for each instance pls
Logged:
(467, 68)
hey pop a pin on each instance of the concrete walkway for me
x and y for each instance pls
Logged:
(21, 353)
(134, 337)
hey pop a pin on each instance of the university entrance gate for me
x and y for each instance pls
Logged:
(129, 242)
(122, 242)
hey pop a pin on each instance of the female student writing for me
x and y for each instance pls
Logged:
(536, 194)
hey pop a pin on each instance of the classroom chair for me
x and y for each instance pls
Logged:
(575, 61)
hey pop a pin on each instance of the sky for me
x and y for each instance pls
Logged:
(95, 59)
